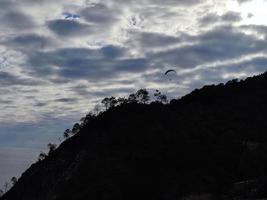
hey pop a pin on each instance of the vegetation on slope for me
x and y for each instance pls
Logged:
(211, 142)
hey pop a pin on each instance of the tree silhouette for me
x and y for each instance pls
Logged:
(86, 119)
(66, 133)
(162, 98)
(121, 101)
(109, 102)
(1, 193)
(51, 148)
(14, 180)
(132, 98)
(142, 96)
(42, 156)
(6, 186)
(76, 128)
(97, 109)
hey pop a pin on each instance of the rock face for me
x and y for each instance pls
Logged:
(209, 144)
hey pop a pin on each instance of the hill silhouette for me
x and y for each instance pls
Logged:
(209, 144)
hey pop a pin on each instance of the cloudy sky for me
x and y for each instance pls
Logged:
(58, 58)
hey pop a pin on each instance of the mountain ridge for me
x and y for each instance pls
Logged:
(205, 143)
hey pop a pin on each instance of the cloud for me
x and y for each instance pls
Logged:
(251, 66)
(69, 28)
(221, 43)
(100, 69)
(231, 17)
(152, 40)
(85, 63)
(250, 15)
(167, 3)
(258, 29)
(27, 42)
(7, 79)
(66, 100)
(99, 14)
(212, 18)
(111, 51)
(17, 20)
(40, 104)
(243, 1)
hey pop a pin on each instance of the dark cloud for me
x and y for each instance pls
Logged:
(80, 90)
(250, 15)
(8, 79)
(7, 5)
(40, 104)
(99, 14)
(228, 17)
(27, 42)
(167, 3)
(210, 18)
(219, 44)
(112, 51)
(231, 17)
(69, 28)
(224, 72)
(243, 1)
(176, 2)
(149, 39)
(66, 100)
(257, 64)
(5, 102)
(16, 19)
(106, 92)
(101, 69)
(259, 29)
(82, 63)
(61, 56)
(85, 91)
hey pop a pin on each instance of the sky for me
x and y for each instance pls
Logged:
(59, 58)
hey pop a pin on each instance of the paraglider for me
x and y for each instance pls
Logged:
(170, 71)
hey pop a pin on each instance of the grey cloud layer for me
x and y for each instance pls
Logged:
(17, 20)
(99, 14)
(218, 44)
(7, 79)
(152, 40)
(86, 63)
(212, 18)
(57, 65)
(69, 28)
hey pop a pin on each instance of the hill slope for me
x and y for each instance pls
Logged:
(211, 143)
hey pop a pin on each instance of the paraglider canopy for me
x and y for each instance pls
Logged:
(169, 71)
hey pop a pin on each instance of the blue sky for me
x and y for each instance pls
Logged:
(55, 67)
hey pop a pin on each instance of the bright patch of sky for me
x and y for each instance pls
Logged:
(253, 12)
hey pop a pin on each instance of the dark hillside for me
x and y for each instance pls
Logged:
(210, 144)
